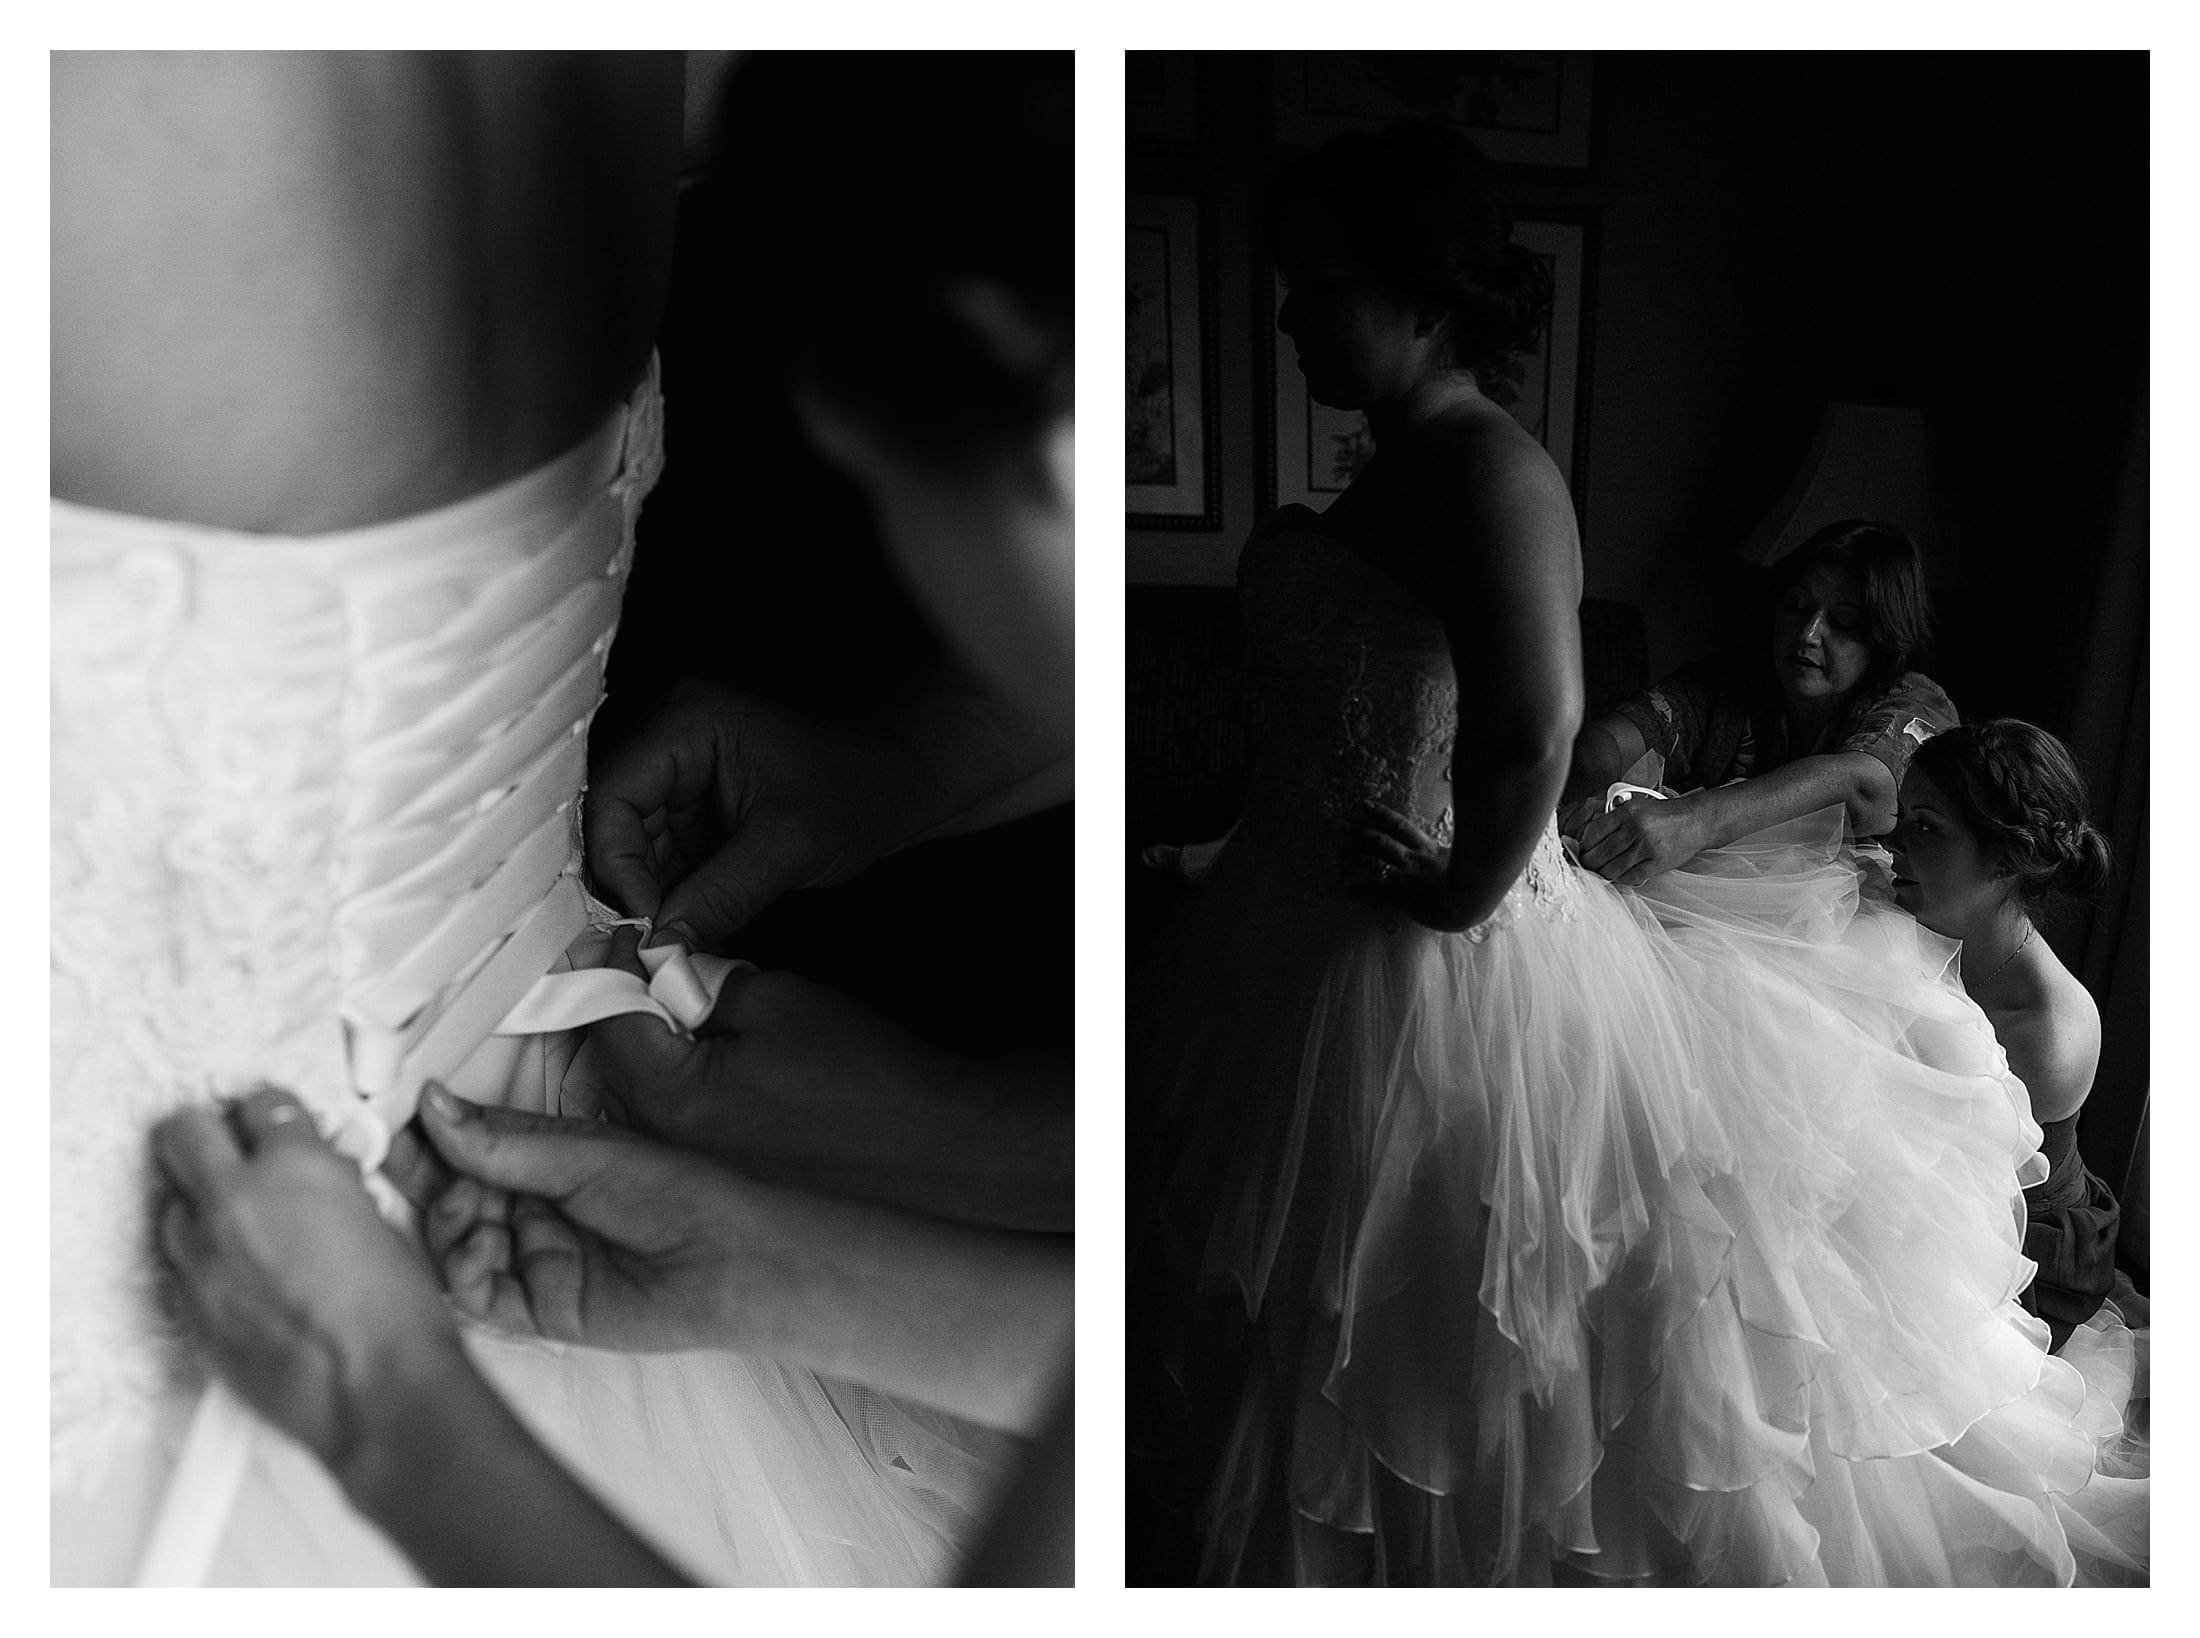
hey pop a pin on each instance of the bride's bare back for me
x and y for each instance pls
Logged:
(299, 292)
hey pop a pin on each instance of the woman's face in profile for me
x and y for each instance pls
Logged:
(1355, 340)
(1942, 873)
(1818, 647)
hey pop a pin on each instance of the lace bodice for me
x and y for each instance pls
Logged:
(314, 823)
(1362, 704)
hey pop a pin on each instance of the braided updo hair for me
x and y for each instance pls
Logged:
(2019, 789)
(1419, 207)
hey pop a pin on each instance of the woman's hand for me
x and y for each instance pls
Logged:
(309, 1304)
(574, 1231)
(724, 803)
(1643, 838)
(1389, 858)
(777, 1051)
(1575, 818)
(796, 1083)
(578, 1232)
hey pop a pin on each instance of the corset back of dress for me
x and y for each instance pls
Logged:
(313, 824)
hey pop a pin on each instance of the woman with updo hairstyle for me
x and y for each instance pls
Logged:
(1419, 206)
(1992, 831)
(1495, 1223)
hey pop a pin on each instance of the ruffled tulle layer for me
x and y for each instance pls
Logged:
(1661, 1235)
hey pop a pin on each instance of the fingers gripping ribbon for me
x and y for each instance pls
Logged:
(1615, 794)
(681, 989)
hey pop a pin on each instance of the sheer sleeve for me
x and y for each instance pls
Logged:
(1673, 716)
(1894, 722)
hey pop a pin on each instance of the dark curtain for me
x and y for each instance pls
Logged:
(2109, 737)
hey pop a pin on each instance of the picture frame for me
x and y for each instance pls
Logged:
(1526, 109)
(1171, 410)
(1313, 451)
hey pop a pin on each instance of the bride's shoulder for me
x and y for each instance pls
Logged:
(1484, 498)
(1485, 466)
(2052, 1034)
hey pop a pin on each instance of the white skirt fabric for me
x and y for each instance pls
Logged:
(1660, 1235)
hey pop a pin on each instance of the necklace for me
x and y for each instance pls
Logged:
(2005, 960)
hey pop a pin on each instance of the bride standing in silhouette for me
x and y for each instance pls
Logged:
(1504, 1225)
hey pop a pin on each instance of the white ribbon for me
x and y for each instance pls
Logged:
(681, 990)
(1621, 791)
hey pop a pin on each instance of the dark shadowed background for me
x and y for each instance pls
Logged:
(837, 189)
(1770, 234)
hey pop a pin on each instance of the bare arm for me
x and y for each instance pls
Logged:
(452, 1477)
(329, 1324)
(979, 761)
(1639, 840)
(1509, 608)
(971, 1321)
(992, 1143)
(1604, 750)
(626, 1243)
(1855, 781)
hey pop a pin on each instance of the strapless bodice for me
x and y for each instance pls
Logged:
(314, 822)
(1361, 703)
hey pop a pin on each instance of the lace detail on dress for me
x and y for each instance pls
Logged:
(1549, 889)
(1361, 702)
(196, 736)
(1363, 706)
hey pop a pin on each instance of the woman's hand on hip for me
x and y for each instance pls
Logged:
(1642, 838)
(306, 1300)
(1391, 859)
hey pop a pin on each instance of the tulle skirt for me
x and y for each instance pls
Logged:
(1658, 1235)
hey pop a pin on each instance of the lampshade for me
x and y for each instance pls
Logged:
(1872, 461)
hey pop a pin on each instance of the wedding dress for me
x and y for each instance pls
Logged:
(1653, 1235)
(316, 824)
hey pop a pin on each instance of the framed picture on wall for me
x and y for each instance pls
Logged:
(1169, 404)
(1314, 451)
(1525, 108)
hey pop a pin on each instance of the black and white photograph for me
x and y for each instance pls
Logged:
(562, 888)
(1169, 476)
(1637, 886)
(1592, 1026)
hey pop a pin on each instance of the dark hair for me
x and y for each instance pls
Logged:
(869, 187)
(2018, 787)
(1898, 615)
(1419, 207)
